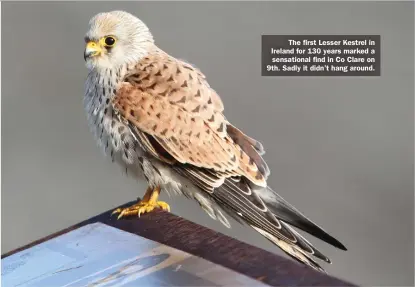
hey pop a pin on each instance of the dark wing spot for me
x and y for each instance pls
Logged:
(170, 79)
(165, 67)
(184, 84)
(258, 175)
(220, 129)
(212, 118)
(158, 115)
(157, 74)
(164, 132)
(174, 140)
(163, 94)
(198, 94)
(178, 71)
(182, 100)
(196, 110)
(209, 101)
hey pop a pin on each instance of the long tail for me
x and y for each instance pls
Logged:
(292, 250)
(272, 217)
(286, 212)
(303, 251)
(267, 212)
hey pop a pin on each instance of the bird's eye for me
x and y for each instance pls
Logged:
(109, 41)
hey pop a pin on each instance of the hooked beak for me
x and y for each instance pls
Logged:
(91, 50)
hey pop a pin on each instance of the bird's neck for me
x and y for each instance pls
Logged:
(108, 77)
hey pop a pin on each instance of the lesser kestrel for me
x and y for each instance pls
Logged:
(158, 118)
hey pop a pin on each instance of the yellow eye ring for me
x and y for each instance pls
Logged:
(109, 41)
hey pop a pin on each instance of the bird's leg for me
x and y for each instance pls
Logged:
(147, 195)
(147, 204)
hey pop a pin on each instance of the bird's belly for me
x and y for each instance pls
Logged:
(132, 170)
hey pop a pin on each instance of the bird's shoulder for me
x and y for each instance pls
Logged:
(165, 75)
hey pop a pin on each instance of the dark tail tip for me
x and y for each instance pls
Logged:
(337, 244)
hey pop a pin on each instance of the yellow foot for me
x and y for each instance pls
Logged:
(141, 208)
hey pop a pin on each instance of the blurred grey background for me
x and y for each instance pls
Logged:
(340, 148)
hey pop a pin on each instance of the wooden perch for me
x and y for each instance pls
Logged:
(176, 232)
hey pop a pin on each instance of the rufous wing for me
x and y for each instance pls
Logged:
(170, 101)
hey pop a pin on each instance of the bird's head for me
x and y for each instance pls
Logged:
(114, 39)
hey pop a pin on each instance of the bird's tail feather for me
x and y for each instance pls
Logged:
(289, 214)
(293, 251)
